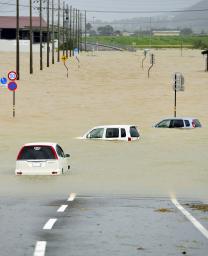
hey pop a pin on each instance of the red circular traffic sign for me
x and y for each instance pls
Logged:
(12, 86)
(12, 75)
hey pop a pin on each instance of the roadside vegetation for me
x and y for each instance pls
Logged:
(186, 41)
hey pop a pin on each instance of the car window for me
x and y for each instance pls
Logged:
(96, 133)
(123, 133)
(37, 152)
(164, 124)
(177, 123)
(197, 123)
(187, 123)
(112, 133)
(60, 151)
(133, 132)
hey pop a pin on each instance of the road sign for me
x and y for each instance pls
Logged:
(3, 80)
(12, 86)
(12, 75)
(76, 52)
(64, 58)
(178, 84)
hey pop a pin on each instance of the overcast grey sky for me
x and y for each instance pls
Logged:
(109, 5)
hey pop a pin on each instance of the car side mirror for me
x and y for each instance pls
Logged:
(67, 155)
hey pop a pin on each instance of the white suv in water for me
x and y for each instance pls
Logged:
(178, 122)
(41, 158)
(113, 132)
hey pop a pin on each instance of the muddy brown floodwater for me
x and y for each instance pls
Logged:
(109, 88)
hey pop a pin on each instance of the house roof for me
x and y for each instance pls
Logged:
(24, 22)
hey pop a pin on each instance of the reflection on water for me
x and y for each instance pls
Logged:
(164, 161)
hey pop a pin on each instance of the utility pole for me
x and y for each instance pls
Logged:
(17, 41)
(85, 31)
(76, 27)
(67, 31)
(31, 40)
(63, 27)
(41, 38)
(78, 31)
(52, 31)
(70, 31)
(48, 34)
(58, 52)
(73, 31)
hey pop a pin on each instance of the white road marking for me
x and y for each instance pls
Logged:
(40, 248)
(194, 221)
(62, 208)
(71, 197)
(49, 224)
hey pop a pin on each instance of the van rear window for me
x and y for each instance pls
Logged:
(133, 132)
(36, 153)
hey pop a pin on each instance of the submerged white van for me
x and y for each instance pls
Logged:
(41, 158)
(113, 132)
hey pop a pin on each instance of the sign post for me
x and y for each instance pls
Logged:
(145, 55)
(12, 86)
(178, 85)
(64, 59)
(152, 62)
(76, 53)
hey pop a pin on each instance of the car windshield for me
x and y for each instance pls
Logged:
(96, 133)
(36, 152)
(164, 124)
(133, 132)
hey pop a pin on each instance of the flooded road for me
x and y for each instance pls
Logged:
(162, 163)
(109, 88)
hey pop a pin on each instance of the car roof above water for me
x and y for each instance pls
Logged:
(179, 117)
(115, 126)
(53, 144)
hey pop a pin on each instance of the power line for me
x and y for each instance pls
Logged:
(124, 12)
(164, 11)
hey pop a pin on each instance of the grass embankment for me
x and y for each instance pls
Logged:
(154, 41)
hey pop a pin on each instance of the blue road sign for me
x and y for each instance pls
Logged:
(3, 80)
(76, 51)
(12, 86)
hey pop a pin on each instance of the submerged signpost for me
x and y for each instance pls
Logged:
(178, 85)
(64, 59)
(152, 62)
(205, 52)
(12, 86)
(145, 55)
(76, 54)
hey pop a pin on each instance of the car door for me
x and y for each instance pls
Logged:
(63, 159)
(177, 123)
(112, 133)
